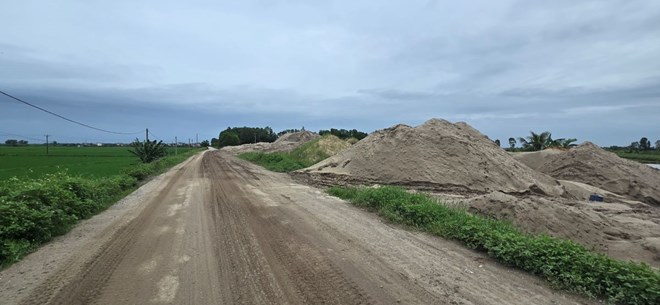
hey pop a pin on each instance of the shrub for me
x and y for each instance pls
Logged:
(33, 211)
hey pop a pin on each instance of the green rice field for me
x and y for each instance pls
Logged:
(32, 161)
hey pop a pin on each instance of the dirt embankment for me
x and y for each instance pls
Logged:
(284, 143)
(592, 165)
(457, 162)
(437, 155)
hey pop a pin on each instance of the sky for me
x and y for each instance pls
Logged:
(581, 69)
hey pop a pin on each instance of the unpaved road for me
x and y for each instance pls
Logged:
(218, 230)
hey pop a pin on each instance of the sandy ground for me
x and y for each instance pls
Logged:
(218, 230)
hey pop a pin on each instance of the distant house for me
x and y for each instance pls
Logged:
(99, 144)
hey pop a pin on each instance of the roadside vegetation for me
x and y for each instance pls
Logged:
(563, 263)
(306, 155)
(34, 210)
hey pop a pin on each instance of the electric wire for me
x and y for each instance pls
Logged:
(65, 118)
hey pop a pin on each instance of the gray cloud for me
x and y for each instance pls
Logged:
(504, 66)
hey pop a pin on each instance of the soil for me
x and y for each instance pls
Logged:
(219, 230)
(592, 165)
(457, 163)
(437, 155)
(285, 143)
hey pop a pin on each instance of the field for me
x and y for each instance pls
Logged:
(652, 156)
(32, 161)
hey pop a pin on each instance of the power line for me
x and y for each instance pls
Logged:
(20, 136)
(65, 118)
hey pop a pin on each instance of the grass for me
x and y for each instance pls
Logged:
(306, 155)
(32, 161)
(652, 157)
(34, 210)
(563, 263)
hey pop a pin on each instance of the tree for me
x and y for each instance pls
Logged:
(204, 143)
(229, 139)
(644, 144)
(497, 142)
(563, 143)
(148, 151)
(536, 141)
(11, 142)
(512, 143)
(634, 146)
(657, 145)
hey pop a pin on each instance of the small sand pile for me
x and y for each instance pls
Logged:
(590, 164)
(436, 155)
(285, 143)
(297, 137)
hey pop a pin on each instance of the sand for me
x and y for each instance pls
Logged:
(436, 155)
(285, 143)
(592, 165)
(458, 163)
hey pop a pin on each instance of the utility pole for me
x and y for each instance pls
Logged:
(196, 138)
(146, 134)
(47, 143)
(176, 145)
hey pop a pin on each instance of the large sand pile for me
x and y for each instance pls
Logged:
(436, 155)
(590, 164)
(285, 143)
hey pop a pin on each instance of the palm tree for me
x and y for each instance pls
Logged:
(148, 151)
(536, 141)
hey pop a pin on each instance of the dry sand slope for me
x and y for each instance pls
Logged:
(437, 155)
(218, 230)
(590, 164)
(286, 142)
(455, 159)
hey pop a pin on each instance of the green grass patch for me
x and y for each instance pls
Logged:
(563, 263)
(652, 157)
(32, 162)
(34, 210)
(276, 161)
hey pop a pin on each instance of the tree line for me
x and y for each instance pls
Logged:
(244, 135)
(344, 134)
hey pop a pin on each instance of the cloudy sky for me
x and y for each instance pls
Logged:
(584, 69)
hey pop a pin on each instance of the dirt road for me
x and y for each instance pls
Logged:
(218, 230)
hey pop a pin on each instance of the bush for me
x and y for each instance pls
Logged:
(563, 263)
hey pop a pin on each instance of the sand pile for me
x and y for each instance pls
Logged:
(590, 164)
(626, 231)
(285, 143)
(436, 155)
(297, 137)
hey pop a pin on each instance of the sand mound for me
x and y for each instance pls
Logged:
(436, 155)
(285, 143)
(535, 159)
(590, 164)
(628, 231)
(297, 137)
